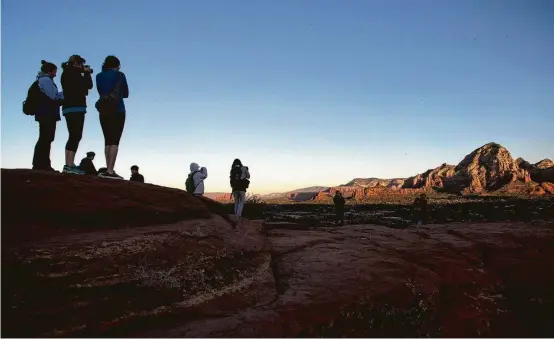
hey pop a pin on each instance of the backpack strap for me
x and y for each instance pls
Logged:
(192, 178)
(116, 87)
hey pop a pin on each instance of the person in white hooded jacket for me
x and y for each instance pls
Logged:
(198, 176)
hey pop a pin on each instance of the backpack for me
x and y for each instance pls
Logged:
(236, 182)
(31, 103)
(109, 103)
(189, 183)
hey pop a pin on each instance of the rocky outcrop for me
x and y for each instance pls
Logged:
(541, 172)
(94, 255)
(544, 164)
(114, 258)
(375, 182)
(432, 178)
(488, 168)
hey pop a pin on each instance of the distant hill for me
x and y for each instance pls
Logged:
(312, 189)
(489, 168)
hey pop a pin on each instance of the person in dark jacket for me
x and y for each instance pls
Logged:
(339, 202)
(76, 83)
(87, 165)
(135, 175)
(420, 209)
(47, 115)
(239, 180)
(112, 122)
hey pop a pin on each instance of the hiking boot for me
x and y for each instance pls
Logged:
(107, 175)
(73, 170)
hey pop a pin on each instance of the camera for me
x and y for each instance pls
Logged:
(90, 69)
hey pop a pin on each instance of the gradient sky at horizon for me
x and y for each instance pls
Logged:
(305, 92)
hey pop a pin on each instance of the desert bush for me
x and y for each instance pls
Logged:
(254, 207)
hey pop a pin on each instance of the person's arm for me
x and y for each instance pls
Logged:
(141, 178)
(124, 86)
(99, 87)
(87, 83)
(247, 173)
(203, 174)
(48, 87)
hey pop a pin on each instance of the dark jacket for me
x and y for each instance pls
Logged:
(88, 166)
(339, 201)
(75, 88)
(239, 178)
(137, 177)
(106, 82)
(50, 100)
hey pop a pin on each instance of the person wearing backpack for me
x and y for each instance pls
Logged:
(76, 82)
(195, 180)
(239, 183)
(112, 88)
(43, 101)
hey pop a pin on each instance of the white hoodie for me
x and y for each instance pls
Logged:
(198, 177)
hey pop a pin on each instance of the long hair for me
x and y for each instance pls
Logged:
(237, 162)
(111, 61)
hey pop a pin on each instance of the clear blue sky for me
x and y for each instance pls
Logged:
(305, 92)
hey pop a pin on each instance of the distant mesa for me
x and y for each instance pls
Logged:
(489, 168)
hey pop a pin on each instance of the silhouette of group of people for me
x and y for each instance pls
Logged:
(44, 101)
(239, 182)
(76, 81)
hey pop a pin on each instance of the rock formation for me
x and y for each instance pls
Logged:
(544, 164)
(432, 178)
(375, 182)
(488, 168)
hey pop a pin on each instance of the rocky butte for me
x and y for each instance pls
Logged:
(92, 257)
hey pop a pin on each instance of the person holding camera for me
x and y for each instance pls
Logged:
(47, 114)
(76, 82)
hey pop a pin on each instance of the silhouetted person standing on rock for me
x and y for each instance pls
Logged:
(47, 114)
(87, 165)
(420, 209)
(112, 88)
(195, 180)
(339, 202)
(76, 82)
(135, 175)
(239, 183)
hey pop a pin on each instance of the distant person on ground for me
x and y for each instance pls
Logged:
(47, 114)
(239, 183)
(420, 209)
(339, 202)
(112, 88)
(76, 82)
(87, 165)
(195, 180)
(135, 175)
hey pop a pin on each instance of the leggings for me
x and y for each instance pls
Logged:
(112, 127)
(47, 132)
(240, 197)
(75, 122)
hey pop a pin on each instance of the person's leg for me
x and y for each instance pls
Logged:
(75, 123)
(242, 199)
(104, 123)
(47, 133)
(236, 198)
(118, 124)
